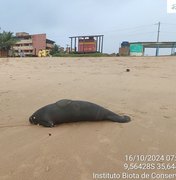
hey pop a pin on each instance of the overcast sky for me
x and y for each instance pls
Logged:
(117, 20)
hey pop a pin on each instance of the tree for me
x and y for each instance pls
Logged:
(55, 49)
(7, 40)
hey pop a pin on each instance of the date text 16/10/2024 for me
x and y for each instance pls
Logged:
(150, 158)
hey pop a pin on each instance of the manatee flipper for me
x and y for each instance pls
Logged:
(47, 123)
(117, 118)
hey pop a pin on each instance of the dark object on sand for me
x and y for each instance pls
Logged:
(65, 110)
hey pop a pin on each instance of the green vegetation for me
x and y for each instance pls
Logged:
(80, 55)
(55, 50)
(7, 40)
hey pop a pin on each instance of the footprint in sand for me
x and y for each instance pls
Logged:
(141, 112)
(103, 139)
(164, 77)
(163, 108)
(166, 117)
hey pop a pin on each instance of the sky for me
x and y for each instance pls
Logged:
(117, 20)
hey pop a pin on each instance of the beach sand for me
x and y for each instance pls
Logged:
(74, 151)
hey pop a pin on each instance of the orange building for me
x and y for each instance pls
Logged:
(87, 44)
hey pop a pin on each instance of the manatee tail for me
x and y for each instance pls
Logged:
(117, 118)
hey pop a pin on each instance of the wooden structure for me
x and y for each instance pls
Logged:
(87, 44)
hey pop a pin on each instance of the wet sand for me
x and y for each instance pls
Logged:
(75, 151)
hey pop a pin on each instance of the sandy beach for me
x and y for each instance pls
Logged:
(76, 151)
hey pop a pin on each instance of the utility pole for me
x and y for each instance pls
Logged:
(157, 49)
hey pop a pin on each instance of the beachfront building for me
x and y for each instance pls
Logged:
(138, 48)
(86, 44)
(30, 45)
